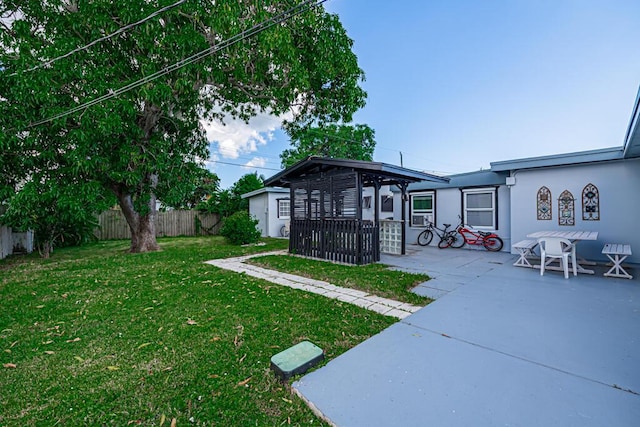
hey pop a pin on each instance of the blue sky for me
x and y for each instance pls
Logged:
(455, 85)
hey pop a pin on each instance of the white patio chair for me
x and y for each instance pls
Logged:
(557, 248)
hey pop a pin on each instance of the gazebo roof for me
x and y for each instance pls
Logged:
(383, 172)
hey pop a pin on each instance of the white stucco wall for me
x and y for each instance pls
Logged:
(618, 183)
(448, 206)
(263, 205)
(258, 209)
(276, 223)
(368, 214)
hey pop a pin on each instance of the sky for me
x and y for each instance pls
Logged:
(455, 85)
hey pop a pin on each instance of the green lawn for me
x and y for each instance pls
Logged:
(96, 336)
(376, 279)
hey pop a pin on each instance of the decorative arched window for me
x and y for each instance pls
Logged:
(566, 209)
(590, 203)
(544, 204)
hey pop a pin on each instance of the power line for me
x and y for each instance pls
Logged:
(244, 166)
(256, 29)
(101, 39)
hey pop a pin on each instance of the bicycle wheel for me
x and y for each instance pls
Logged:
(493, 243)
(284, 231)
(445, 242)
(425, 237)
(457, 240)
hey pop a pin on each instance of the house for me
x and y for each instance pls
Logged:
(591, 190)
(481, 199)
(594, 190)
(271, 207)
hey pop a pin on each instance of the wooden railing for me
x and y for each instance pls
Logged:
(350, 241)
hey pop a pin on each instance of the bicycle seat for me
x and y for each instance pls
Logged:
(446, 225)
(483, 233)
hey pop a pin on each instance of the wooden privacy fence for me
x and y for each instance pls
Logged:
(113, 225)
(350, 241)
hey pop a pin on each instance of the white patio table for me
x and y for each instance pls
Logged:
(574, 236)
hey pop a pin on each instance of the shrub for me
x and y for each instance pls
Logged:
(240, 229)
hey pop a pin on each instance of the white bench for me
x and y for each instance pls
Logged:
(617, 253)
(524, 249)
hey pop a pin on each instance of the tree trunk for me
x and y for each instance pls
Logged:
(142, 226)
(143, 237)
(45, 249)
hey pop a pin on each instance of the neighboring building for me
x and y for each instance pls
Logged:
(386, 203)
(271, 207)
(12, 242)
(6, 244)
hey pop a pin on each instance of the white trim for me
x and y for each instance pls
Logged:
(279, 201)
(492, 209)
(429, 215)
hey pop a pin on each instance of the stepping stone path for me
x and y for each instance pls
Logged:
(385, 306)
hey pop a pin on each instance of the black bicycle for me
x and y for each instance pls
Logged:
(447, 237)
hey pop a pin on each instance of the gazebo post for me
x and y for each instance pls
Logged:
(376, 199)
(403, 233)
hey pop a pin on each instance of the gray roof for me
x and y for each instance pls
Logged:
(314, 165)
(601, 155)
(265, 190)
(481, 178)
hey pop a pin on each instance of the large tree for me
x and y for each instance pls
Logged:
(229, 201)
(142, 136)
(355, 142)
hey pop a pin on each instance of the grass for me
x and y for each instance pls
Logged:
(96, 336)
(376, 279)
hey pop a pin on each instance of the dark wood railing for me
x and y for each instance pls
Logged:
(351, 241)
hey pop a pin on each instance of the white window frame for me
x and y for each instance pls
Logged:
(428, 215)
(280, 204)
(493, 209)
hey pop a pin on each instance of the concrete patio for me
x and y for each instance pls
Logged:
(500, 346)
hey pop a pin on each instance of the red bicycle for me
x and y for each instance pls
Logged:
(457, 239)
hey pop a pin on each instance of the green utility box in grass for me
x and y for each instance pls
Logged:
(296, 360)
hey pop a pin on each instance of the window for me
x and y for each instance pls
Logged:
(479, 207)
(422, 211)
(284, 208)
(366, 202)
(386, 203)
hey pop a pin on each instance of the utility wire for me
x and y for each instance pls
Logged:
(256, 29)
(101, 39)
(244, 166)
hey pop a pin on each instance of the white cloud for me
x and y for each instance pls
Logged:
(256, 162)
(237, 137)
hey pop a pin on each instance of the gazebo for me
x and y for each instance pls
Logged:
(326, 206)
